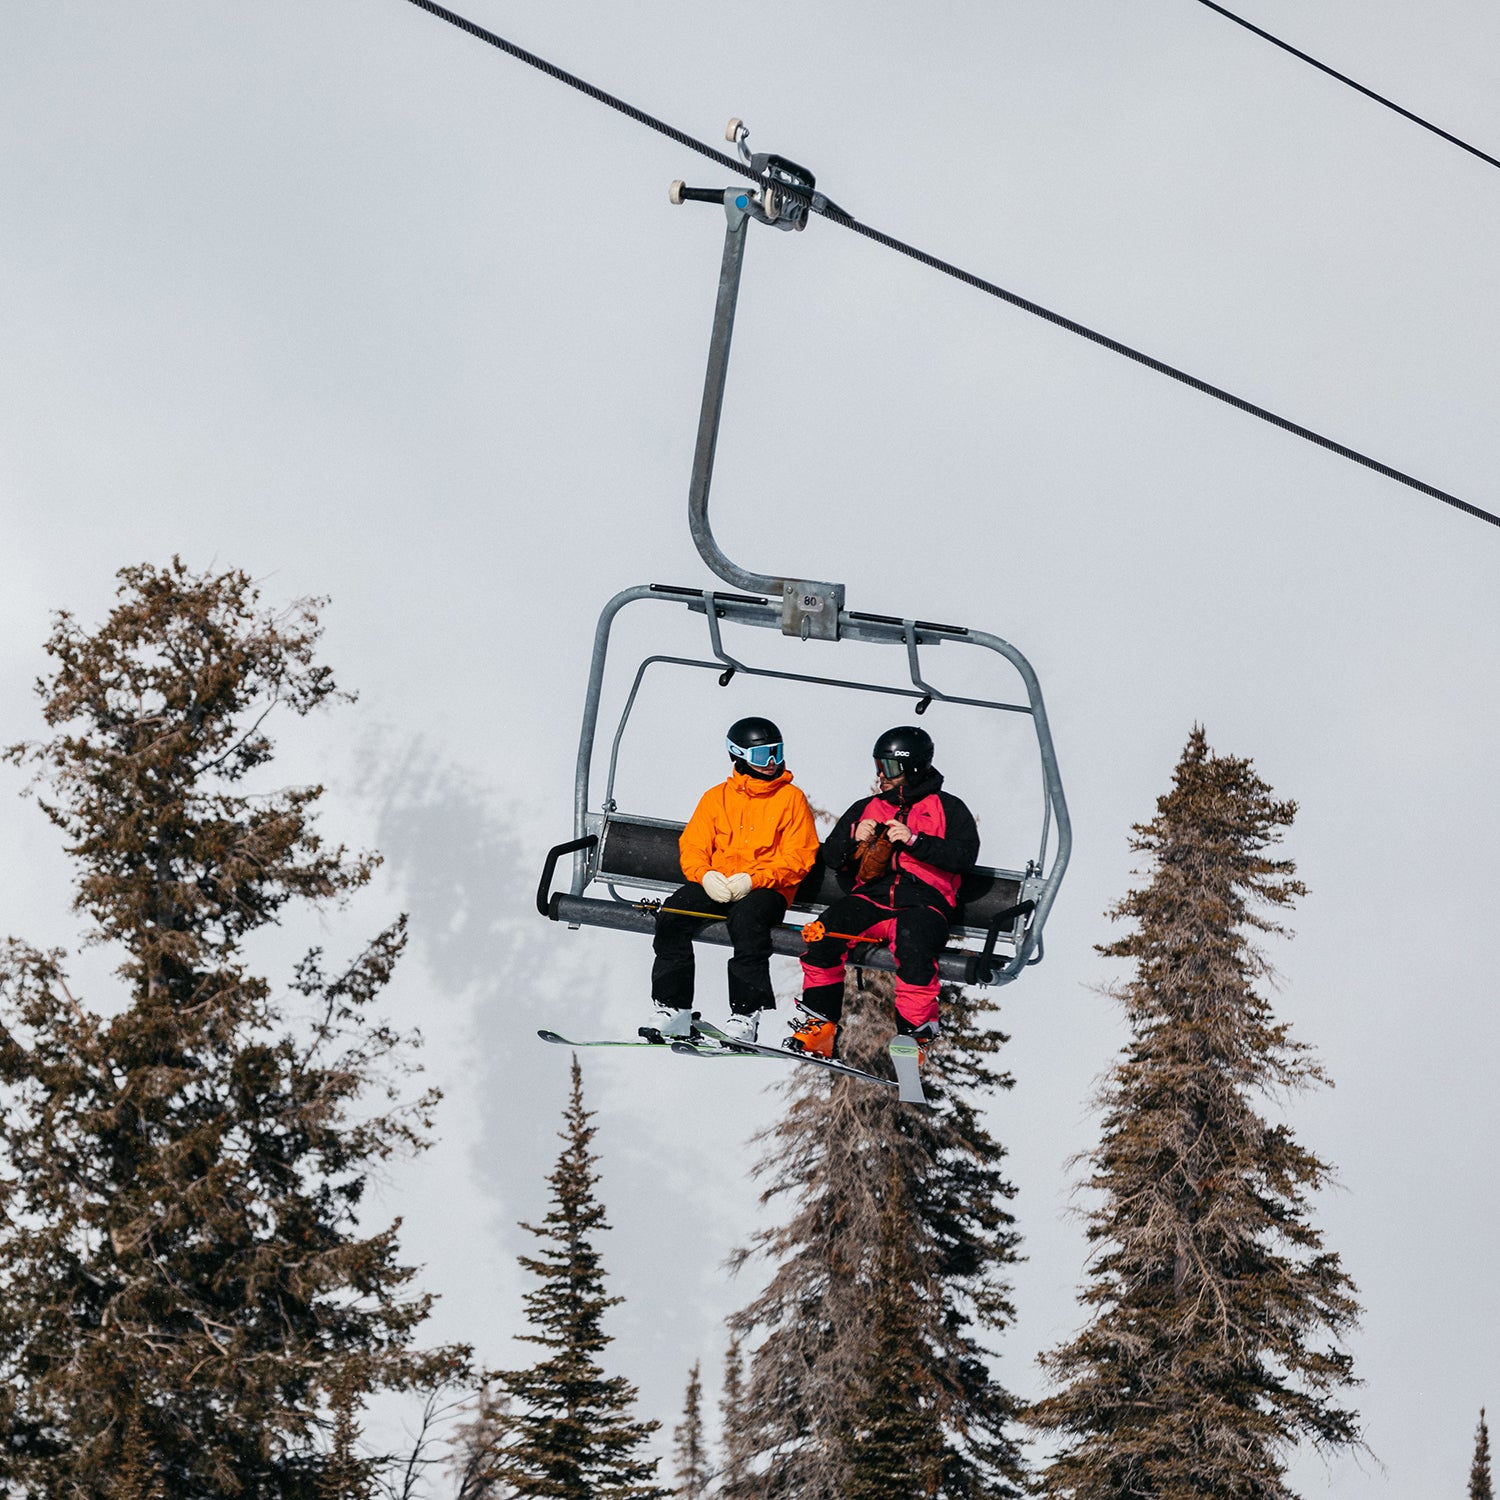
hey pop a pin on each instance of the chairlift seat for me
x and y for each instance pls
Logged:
(642, 853)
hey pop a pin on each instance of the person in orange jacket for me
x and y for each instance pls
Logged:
(744, 852)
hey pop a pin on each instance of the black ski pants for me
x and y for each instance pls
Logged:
(750, 921)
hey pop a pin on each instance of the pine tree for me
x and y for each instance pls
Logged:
(736, 1480)
(181, 1272)
(892, 1446)
(474, 1451)
(1216, 1313)
(690, 1453)
(1480, 1486)
(347, 1475)
(887, 1282)
(138, 1477)
(569, 1432)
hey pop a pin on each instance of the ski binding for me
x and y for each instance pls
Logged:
(759, 1049)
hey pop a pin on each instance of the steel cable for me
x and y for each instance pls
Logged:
(1322, 67)
(817, 204)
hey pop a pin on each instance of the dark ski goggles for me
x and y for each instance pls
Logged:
(890, 767)
(759, 756)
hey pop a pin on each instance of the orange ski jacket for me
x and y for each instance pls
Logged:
(763, 829)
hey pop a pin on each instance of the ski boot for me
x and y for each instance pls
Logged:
(811, 1033)
(670, 1021)
(742, 1026)
(924, 1036)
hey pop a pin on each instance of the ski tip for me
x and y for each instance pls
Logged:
(906, 1058)
(551, 1036)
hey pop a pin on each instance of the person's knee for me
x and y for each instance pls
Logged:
(760, 911)
(750, 913)
(917, 961)
(673, 933)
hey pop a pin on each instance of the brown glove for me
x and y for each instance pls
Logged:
(874, 857)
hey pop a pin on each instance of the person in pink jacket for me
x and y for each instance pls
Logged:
(907, 848)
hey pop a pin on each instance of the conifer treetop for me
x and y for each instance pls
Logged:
(689, 1450)
(1481, 1486)
(162, 713)
(568, 1432)
(1216, 1314)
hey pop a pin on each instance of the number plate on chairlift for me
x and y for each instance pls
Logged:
(811, 610)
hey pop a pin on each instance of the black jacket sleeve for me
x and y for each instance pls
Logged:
(838, 847)
(958, 849)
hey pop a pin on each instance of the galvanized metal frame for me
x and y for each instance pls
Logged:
(1040, 880)
(802, 607)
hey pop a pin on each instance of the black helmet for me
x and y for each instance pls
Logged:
(755, 747)
(902, 751)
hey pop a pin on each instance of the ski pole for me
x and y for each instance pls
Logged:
(812, 932)
(679, 911)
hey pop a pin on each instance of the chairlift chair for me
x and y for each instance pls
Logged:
(997, 928)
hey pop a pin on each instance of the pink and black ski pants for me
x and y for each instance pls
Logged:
(915, 934)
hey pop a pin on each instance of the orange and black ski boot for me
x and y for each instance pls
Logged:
(811, 1033)
(924, 1036)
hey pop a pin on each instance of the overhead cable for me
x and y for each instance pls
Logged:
(1323, 67)
(820, 205)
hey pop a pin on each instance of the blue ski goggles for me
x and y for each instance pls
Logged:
(759, 756)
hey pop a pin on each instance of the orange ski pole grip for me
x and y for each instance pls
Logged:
(815, 932)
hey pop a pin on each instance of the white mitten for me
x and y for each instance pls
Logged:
(716, 886)
(739, 886)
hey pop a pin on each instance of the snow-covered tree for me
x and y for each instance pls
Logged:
(1216, 1313)
(873, 1333)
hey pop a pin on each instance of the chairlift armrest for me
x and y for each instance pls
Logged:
(544, 890)
(985, 962)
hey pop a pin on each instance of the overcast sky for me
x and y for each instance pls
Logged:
(338, 295)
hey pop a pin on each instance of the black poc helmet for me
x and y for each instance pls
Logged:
(755, 747)
(903, 751)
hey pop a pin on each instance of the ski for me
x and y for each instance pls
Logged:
(757, 1049)
(906, 1059)
(655, 1039)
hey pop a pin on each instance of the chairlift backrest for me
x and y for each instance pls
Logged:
(642, 853)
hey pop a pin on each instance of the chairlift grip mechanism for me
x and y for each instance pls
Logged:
(809, 607)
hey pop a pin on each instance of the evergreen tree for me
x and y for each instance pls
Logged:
(569, 1432)
(138, 1477)
(690, 1452)
(887, 1281)
(347, 1476)
(736, 1480)
(182, 1277)
(892, 1446)
(473, 1453)
(1480, 1486)
(1212, 1346)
